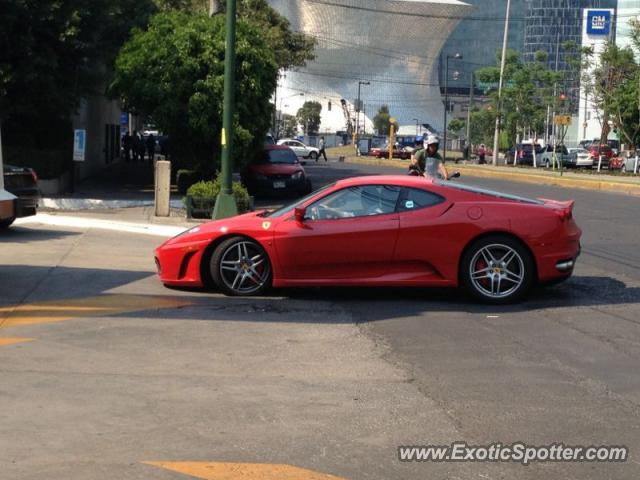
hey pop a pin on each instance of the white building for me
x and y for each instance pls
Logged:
(392, 44)
(598, 27)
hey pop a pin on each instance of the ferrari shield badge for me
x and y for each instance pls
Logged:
(266, 225)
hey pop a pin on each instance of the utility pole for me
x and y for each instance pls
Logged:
(469, 116)
(357, 135)
(226, 203)
(446, 100)
(496, 134)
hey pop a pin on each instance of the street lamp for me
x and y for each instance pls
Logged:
(360, 83)
(301, 94)
(457, 56)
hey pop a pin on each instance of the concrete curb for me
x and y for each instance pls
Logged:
(71, 204)
(631, 186)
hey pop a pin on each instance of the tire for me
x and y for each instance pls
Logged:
(313, 156)
(6, 223)
(547, 164)
(496, 282)
(240, 267)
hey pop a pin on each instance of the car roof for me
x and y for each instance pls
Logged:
(401, 180)
(276, 147)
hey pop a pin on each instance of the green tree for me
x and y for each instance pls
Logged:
(289, 125)
(309, 117)
(174, 71)
(456, 125)
(526, 93)
(611, 81)
(52, 54)
(382, 121)
(291, 49)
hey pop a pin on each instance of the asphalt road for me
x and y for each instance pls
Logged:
(104, 369)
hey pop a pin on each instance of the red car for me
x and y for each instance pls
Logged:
(383, 152)
(276, 170)
(603, 151)
(383, 231)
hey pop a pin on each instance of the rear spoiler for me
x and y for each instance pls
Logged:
(564, 209)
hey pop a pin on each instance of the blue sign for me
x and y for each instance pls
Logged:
(598, 22)
(124, 118)
(79, 145)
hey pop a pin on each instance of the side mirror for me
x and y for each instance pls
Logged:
(299, 214)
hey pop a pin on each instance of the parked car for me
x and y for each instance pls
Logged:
(276, 170)
(23, 183)
(398, 152)
(524, 153)
(300, 149)
(581, 157)
(545, 159)
(383, 231)
(602, 151)
(629, 162)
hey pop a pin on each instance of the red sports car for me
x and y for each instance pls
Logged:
(383, 231)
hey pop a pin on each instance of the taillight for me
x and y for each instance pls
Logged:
(565, 214)
(520, 153)
(34, 175)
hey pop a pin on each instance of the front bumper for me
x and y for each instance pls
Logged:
(273, 185)
(179, 264)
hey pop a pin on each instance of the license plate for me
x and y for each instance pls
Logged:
(279, 184)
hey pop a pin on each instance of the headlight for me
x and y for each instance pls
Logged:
(297, 176)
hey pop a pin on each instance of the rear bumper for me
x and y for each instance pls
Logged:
(559, 260)
(26, 205)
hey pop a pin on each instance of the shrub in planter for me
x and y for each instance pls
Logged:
(201, 197)
(185, 178)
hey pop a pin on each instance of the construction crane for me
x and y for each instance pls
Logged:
(347, 117)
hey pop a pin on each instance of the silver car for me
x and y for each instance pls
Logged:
(581, 157)
(300, 149)
(630, 165)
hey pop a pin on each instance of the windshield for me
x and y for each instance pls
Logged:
(278, 156)
(289, 208)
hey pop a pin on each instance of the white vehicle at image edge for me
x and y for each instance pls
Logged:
(300, 149)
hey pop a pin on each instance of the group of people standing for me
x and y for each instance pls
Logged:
(135, 146)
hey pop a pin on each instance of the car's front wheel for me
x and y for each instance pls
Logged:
(240, 266)
(497, 269)
(313, 155)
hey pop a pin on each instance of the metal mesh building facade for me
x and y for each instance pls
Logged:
(392, 44)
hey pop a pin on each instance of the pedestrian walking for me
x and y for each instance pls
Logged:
(127, 143)
(151, 147)
(482, 151)
(322, 150)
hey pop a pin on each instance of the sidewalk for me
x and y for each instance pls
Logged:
(122, 192)
(570, 179)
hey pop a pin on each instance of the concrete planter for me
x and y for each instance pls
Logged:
(55, 186)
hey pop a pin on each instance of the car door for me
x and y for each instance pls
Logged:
(349, 234)
(422, 245)
(299, 148)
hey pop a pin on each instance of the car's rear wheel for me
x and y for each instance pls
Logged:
(497, 269)
(7, 222)
(240, 266)
(313, 155)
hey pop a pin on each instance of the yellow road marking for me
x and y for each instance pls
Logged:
(13, 340)
(103, 305)
(243, 471)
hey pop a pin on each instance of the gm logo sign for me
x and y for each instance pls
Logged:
(598, 22)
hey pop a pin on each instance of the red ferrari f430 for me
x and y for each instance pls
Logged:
(383, 231)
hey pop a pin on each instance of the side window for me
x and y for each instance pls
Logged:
(359, 201)
(415, 199)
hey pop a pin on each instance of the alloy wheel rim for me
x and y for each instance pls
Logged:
(244, 267)
(497, 271)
